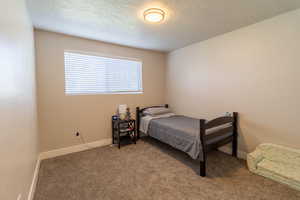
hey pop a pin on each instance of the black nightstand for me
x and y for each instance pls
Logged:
(123, 129)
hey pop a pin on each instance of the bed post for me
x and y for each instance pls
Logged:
(203, 147)
(235, 135)
(137, 118)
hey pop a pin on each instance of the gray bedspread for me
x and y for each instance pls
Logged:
(180, 132)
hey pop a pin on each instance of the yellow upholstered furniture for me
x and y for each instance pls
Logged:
(276, 162)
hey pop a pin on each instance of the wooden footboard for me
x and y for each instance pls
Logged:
(207, 140)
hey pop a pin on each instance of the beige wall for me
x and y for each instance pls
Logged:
(60, 116)
(254, 70)
(18, 137)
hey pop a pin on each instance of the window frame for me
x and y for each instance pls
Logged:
(106, 56)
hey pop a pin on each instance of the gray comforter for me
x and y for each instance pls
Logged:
(180, 132)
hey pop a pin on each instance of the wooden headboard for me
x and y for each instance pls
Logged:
(138, 113)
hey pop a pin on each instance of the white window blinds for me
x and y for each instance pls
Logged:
(89, 74)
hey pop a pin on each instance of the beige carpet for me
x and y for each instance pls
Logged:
(151, 170)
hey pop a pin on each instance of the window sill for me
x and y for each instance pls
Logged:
(106, 93)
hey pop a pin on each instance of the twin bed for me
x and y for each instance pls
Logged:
(192, 136)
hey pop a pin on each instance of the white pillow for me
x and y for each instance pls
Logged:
(156, 111)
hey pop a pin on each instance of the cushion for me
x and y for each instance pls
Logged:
(276, 162)
(280, 153)
(281, 172)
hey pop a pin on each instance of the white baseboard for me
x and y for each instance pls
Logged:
(34, 180)
(73, 149)
(228, 150)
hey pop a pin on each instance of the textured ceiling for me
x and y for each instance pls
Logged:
(121, 21)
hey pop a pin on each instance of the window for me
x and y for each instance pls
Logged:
(90, 74)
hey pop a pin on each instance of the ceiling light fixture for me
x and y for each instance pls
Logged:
(154, 15)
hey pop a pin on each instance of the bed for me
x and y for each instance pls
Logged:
(196, 137)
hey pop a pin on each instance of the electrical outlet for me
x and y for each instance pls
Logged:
(19, 197)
